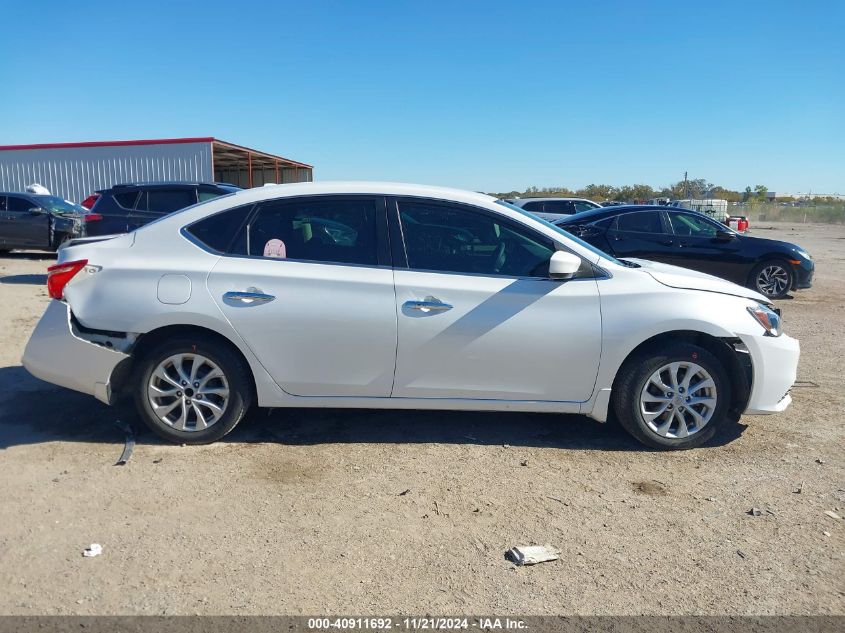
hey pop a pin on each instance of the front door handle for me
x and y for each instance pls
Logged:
(247, 298)
(429, 304)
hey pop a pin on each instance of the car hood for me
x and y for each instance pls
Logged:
(765, 244)
(677, 277)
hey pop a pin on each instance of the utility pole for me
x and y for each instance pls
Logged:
(686, 187)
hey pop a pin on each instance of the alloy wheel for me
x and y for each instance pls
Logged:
(188, 392)
(773, 280)
(678, 400)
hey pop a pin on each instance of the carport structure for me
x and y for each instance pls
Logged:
(247, 167)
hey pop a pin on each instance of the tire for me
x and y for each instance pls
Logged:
(206, 409)
(636, 397)
(772, 278)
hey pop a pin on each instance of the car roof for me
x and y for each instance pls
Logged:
(170, 183)
(269, 192)
(605, 212)
(551, 198)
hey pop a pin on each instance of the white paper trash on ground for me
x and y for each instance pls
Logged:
(532, 554)
(95, 550)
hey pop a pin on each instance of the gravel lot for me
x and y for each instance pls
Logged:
(368, 512)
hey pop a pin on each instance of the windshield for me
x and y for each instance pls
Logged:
(562, 231)
(54, 204)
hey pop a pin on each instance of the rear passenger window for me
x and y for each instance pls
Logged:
(339, 231)
(126, 199)
(564, 207)
(533, 206)
(223, 232)
(170, 200)
(640, 222)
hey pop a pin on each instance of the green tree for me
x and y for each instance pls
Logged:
(597, 193)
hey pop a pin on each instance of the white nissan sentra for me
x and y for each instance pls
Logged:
(403, 297)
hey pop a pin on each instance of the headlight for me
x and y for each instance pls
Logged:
(803, 254)
(768, 318)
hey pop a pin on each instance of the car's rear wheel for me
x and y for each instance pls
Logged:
(192, 391)
(675, 398)
(772, 278)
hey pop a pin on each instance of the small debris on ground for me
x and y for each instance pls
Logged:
(524, 462)
(129, 442)
(404, 492)
(158, 461)
(755, 512)
(652, 488)
(554, 499)
(826, 533)
(799, 489)
(532, 554)
(819, 460)
(832, 514)
(740, 553)
(710, 499)
(95, 549)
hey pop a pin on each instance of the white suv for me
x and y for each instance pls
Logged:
(403, 297)
(552, 209)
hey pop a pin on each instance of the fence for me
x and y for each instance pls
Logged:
(826, 213)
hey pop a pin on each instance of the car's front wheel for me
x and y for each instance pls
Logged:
(772, 279)
(192, 390)
(674, 398)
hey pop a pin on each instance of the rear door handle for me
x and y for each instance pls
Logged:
(429, 304)
(247, 298)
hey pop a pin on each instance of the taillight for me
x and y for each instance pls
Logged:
(93, 217)
(59, 274)
(91, 200)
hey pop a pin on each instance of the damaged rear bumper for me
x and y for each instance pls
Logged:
(56, 353)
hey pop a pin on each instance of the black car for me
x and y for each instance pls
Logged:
(693, 240)
(126, 207)
(38, 222)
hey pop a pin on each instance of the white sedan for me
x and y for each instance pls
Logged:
(403, 297)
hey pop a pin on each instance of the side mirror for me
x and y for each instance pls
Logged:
(725, 235)
(563, 265)
(36, 211)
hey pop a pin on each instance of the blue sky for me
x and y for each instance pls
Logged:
(482, 95)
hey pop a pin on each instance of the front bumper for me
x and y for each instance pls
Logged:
(56, 354)
(803, 277)
(775, 365)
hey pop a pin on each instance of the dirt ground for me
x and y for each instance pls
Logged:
(382, 512)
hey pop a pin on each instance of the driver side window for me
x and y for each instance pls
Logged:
(691, 225)
(451, 238)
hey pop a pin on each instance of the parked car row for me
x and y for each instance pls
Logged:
(44, 222)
